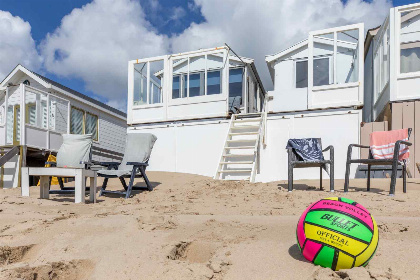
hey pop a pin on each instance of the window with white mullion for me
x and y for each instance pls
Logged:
(188, 78)
(148, 83)
(205, 74)
(335, 59)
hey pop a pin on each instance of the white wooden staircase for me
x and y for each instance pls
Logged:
(239, 160)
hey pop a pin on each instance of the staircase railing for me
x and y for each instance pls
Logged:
(9, 155)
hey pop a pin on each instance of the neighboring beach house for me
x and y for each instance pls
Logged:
(318, 92)
(392, 75)
(35, 111)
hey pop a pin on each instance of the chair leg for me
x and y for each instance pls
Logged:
(104, 184)
(130, 185)
(320, 179)
(290, 181)
(346, 179)
(404, 177)
(332, 176)
(123, 183)
(143, 173)
(348, 163)
(368, 178)
(60, 182)
(393, 176)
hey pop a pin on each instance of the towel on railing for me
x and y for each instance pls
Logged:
(382, 144)
(309, 149)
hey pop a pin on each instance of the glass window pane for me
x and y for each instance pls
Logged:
(58, 114)
(176, 85)
(235, 87)
(31, 114)
(76, 121)
(214, 82)
(179, 80)
(140, 84)
(92, 125)
(156, 81)
(235, 82)
(410, 58)
(347, 56)
(302, 74)
(323, 57)
(321, 71)
(196, 84)
(410, 43)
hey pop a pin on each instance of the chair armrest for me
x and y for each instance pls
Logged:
(403, 142)
(359, 146)
(107, 163)
(137, 163)
(52, 163)
(330, 147)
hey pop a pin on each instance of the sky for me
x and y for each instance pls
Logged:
(86, 44)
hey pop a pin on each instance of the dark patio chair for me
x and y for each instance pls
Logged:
(136, 157)
(371, 161)
(295, 161)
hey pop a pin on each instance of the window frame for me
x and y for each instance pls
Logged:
(398, 43)
(84, 122)
(97, 124)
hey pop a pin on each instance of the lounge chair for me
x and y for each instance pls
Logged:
(394, 161)
(73, 160)
(296, 161)
(136, 157)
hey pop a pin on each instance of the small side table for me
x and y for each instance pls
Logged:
(45, 173)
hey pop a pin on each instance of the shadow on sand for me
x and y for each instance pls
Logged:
(295, 253)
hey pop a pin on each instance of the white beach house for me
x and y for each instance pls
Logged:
(35, 111)
(392, 75)
(213, 117)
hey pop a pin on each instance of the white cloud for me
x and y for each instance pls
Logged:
(258, 28)
(16, 44)
(95, 43)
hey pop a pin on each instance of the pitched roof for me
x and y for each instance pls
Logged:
(64, 88)
(81, 95)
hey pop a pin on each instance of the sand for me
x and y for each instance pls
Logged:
(193, 227)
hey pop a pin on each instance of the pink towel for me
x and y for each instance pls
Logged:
(382, 144)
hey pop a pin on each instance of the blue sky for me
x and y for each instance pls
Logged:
(168, 18)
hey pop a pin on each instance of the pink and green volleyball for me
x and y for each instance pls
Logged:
(338, 233)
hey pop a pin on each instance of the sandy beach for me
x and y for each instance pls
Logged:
(193, 227)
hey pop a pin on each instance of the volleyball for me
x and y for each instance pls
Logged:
(338, 233)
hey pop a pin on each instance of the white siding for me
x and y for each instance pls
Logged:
(196, 146)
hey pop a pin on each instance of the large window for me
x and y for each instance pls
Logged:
(335, 58)
(148, 83)
(322, 72)
(410, 41)
(197, 76)
(83, 123)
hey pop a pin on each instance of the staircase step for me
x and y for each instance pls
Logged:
(238, 155)
(236, 162)
(241, 140)
(248, 120)
(241, 147)
(232, 179)
(245, 127)
(236, 170)
(244, 133)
